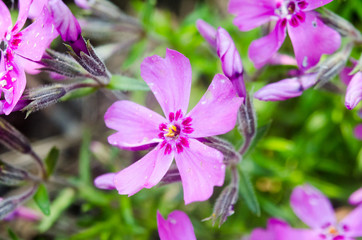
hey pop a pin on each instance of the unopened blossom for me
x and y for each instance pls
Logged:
(354, 91)
(309, 35)
(287, 88)
(176, 135)
(315, 210)
(177, 226)
(67, 25)
(356, 197)
(19, 50)
(23, 213)
(229, 56)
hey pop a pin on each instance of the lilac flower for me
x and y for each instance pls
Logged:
(227, 52)
(201, 167)
(354, 91)
(315, 210)
(23, 213)
(356, 197)
(287, 88)
(177, 227)
(19, 50)
(309, 35)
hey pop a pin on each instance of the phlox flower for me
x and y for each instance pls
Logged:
(315, 210)
(19, 50)
(177, 227)
(176, 135)
(309, 35)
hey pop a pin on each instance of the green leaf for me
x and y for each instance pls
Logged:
(41, 198)
(51, 160)
(62, 202)
(124, 83)
(137, 51)
(84, 158)
(12, 235)
(246, 190)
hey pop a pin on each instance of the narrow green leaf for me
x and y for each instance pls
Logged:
(246, 190)
(51, 160)
(124, 83)
(62, 202)
(41, 198)
(84, 158)
(12, 235)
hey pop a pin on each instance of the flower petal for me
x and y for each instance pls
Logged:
(353, 223)
(216, 112)
(105, 181)
(207, 31)
(313, 4)
(311, 39)
(312, 207)
(5, 19)
(145, 173)
(356, 197)
(36, 8)
(14, 93)
(261, 50)
(169, 79)
(354, 91)
(24, 6)
(358, 135)
(251, 13)
(286, 88)
(137, 126)
(201, 168)
(177, 227)
(35, 39)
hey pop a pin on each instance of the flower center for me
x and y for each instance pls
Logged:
(291, 11)
(332, 232)
(174, 133)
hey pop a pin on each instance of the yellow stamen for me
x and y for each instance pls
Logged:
(333, 231)
(171, 131)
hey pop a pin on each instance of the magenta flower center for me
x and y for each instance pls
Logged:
(332, 232)
(174, 133)
(291, 11)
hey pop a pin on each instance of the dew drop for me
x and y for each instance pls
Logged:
(305, 61)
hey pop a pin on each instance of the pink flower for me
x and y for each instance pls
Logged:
(229, 56)
(309, 35)
(358, 132)
(356, 197)
(287, 88)
(177, 227)
(176, 136)
(354, 91)
(17, 48)
(315, 210)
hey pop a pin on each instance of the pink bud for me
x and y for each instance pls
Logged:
(354, 91)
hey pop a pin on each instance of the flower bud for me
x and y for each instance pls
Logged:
(226, 148)
(247, 123)
(230, 61)
(12, 138)
(43, 97)
(67, 25)
(287, 88)
(224, 206)
(207, 31)
(354, 91)
(10, 175)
